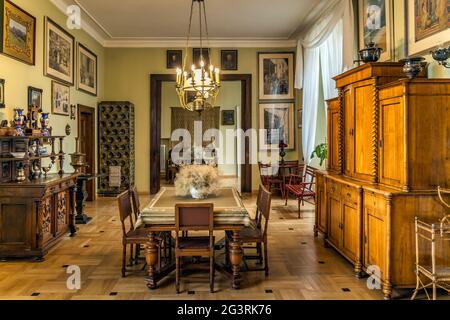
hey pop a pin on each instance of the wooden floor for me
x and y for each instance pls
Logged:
(300, 266)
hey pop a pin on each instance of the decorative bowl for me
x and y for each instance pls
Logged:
(370, 54)
(18, 155)
(412, 66)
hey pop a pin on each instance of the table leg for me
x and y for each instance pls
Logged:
(236, 259)
(151, 256)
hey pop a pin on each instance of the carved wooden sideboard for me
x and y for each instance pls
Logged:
(389, 149)
(35, 215)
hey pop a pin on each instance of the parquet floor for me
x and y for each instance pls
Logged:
(300, 266)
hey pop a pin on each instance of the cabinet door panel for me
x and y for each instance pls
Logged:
(392, 133)
(334, 207)
(351, 234)
(322, 219)
(46, 223)
(349, 128)
(375, 236)
(333, 138)
(363, 131)
(62, 212)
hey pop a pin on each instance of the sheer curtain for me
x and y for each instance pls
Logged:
(321, 51)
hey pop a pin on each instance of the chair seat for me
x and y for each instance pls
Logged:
(298, 190)
(249, 234)
(194, 243)
(137, 235)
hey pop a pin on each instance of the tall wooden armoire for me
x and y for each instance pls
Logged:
(389, 150)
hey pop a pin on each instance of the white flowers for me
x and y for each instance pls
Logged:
(198, 181)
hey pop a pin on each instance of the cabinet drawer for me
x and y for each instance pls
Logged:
(350, 194)
(333, 188)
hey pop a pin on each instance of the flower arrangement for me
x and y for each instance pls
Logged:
(198, 181)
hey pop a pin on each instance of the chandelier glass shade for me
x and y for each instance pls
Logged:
(198, 88)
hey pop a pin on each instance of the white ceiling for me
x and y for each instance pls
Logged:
(134, 22)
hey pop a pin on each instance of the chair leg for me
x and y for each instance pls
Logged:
(131, 262)
(287, 197)
(159, 257)
(137, 254)
(259, 252)
(227, 252)
(266, 259)
(124, 258)
(177, 275)
(299, 209)
(211, 273)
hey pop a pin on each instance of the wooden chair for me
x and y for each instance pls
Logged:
(270, 180)
(302, 188)
(258, 235)
(132, 236)
(194, 217)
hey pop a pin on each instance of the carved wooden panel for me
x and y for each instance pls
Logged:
(61, 211)
(116, 145)
(45, 218)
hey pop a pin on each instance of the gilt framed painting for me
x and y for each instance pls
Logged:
(428, 25)
(17, 32)
(60, 98)
(276, 76)
(35, 97)
(229, 60)
(59, 53)
(375, 25)
(277, 122)
(2, 93)
(87, 70)
(174, 59)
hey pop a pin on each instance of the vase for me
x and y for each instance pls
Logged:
(412, 66)
(44, 125)
(19, 121)
(195, 194)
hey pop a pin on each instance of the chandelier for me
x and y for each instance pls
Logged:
(197, 89)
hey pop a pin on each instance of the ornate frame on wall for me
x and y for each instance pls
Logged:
(291, 125)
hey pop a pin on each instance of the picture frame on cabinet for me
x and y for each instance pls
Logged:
(87, 70)
(277, 123)
(17, 33)
(2, 93)
(427, 25)
(276, 76)
(59, 53)
(60, 98)
(375, 25)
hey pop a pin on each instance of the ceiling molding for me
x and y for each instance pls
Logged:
(212, 43)
(92, 27)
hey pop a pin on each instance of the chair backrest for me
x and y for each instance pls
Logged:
(258, 207)
(265, 207)
(310, 174)
(135, 202)
(194, 217)
(125, 210)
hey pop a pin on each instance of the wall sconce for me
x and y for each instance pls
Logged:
(441, 55)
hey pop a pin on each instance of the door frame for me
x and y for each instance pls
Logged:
(156, 81)
(90, 110)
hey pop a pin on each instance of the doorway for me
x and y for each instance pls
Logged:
(156, 82)
(86, 138)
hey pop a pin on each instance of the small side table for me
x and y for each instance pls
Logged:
(81, 196)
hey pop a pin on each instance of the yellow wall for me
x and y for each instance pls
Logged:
(127, 77)
(19, 76)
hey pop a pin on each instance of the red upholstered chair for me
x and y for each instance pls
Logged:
(271, 180)
(302, 188)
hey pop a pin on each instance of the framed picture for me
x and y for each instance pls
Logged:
(196, 56)
(428, 25)
(18, 33)
(58, 53)
(229, 60)
(174, 59)
(2, 93)
(277, 120)
(60, 98)
(35, 97)
(375, 21)
(228, 117)
(87, 70)
(276, 76)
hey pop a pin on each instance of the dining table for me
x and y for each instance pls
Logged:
(230, 215)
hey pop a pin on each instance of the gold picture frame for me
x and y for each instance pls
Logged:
(276, 76)
(18, 33)
(375, 25)
(428, 25)
(276, 116)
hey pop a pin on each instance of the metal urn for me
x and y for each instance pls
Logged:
(413, 66)
(371, 53)
(78, 159)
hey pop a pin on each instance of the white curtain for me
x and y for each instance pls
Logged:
(321, 50)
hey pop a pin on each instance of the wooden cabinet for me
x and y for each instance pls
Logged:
(414, 126)
(35, 215)
(345, 219)
(334, 163)
(321, 206)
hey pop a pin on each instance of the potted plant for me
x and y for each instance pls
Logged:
(321, 152)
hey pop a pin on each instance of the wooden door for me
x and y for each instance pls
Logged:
(363, 138)
(333, 135)
(350, 230)
(86, 135)
(391, 146)
(334, 220)
(349, 131)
